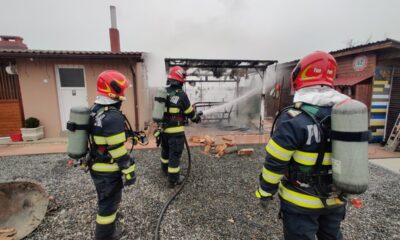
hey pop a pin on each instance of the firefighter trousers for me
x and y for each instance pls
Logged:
(301, 223)
(171, 152)
(109, 192)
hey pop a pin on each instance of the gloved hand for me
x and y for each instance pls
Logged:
(197, 118)
(157, 135)
(129, 179)
(128, 171)
(264, 201)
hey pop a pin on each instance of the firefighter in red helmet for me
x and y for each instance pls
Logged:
(298, 163)
(172, 136)
(111, 167)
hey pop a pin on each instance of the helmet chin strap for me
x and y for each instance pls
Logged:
(117, 98)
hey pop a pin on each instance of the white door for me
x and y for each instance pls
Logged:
(71, 87)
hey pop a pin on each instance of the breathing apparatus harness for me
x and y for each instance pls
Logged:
(316, 178)
(173, 120)
(100, 153)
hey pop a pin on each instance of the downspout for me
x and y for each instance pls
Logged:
(132, 65)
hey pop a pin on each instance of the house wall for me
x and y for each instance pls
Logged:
(39, 88)
(345, 66)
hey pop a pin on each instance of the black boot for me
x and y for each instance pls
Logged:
(117, 234)
(175, 182)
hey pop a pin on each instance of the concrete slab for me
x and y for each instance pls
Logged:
(391, 164)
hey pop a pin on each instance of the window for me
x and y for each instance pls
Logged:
(71, 77)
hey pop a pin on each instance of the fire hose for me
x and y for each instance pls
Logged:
(164, 209)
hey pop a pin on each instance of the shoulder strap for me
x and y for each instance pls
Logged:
(314, 113)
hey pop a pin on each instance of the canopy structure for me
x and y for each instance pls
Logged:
(350, 81)
(222, 71)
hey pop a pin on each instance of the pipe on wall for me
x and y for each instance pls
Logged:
(132, 65)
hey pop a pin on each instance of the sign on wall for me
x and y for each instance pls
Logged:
(360, 63)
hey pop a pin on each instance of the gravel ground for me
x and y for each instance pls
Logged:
(217, 202)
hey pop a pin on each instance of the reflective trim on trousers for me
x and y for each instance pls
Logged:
(103, 220)
(165, 161)
(174, 169)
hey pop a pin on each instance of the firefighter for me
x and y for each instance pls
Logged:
(112, 167)
(298, 161)
(172, 137)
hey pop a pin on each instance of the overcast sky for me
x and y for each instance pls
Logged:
(281, 30)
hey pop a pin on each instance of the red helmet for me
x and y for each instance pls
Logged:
(177, 73)
(317, 68)
(112, 84)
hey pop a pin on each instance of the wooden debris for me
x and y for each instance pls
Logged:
(207, 149)
(210, 146)
(197, 139)
(221, 150)
(8, 233)
(231, 149)
(209, 140)
(245, 152)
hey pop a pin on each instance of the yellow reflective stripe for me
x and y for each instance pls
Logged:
(174, 129)
(271, 177)
(327, 159)
(116, 153)
(174, 110)
(309, 158)
(278, 152)
(174, 169)
(129, 170)
(263, 193)
(163, 160)
(188, 110)
(304, 200)
(100, 140)
(103, 220)
(105, 167)
(117, 138)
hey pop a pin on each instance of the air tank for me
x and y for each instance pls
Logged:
(159, 104)
(349, 138)
(78, 126)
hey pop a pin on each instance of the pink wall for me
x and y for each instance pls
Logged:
(40, 99)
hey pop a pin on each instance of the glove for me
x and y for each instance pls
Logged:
(264, 201)
(157, 135)
(197, 118)
(128, 171)
(129, 179)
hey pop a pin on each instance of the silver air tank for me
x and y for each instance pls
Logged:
(78, 126)
(349, 138)
(159, 104)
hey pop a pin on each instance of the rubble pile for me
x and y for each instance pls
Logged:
(219, 150)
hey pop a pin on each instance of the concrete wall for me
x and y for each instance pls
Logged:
(39, 89)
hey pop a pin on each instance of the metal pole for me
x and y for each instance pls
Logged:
(262, 104)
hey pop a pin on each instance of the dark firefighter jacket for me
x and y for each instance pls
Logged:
(177, 108)
(108, 133)
(293, 151)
